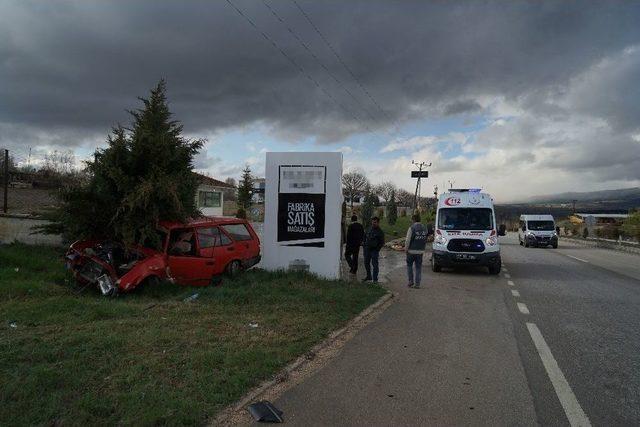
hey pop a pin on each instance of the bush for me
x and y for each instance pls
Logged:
(380, 212)
(585, 233)
(403, 212)
(241, 213)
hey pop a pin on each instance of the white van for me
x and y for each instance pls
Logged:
(466, 231)
(537, 230)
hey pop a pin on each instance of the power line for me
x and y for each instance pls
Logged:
(295, 64)
(346, 67)
(314, 56)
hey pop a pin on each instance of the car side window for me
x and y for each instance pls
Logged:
(238, 232)
(182, 242)
(210, 237)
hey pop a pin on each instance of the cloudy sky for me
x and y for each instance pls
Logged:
(520, 98)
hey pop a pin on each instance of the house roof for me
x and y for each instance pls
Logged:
(212, 181)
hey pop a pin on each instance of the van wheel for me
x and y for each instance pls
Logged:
(494, 269)
(555, 246)
(526, 243)
(435, 267)
(233, 268)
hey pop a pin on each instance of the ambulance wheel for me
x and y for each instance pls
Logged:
(555, 246)
(233, 268)
(526, 243)
(435, 267)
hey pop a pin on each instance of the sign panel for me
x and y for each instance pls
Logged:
(302, 227)
(419, 174)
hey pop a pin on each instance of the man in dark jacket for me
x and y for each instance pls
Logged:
(355, 235)
(373, 242)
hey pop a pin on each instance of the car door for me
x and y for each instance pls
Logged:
(217, 245)
(244, 241)
(187, 263)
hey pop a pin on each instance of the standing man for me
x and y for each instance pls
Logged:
(355, 235)
(415, 244)
(373, 242)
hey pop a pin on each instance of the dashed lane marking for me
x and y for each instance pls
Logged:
(572, 409)
(576, 258)
(507, 276)
(523, 308)
(515, 293)
(510, 283)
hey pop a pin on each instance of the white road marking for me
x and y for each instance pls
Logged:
(505, 268)
(515, 293)
(573, 410)
(507, 276)
(510, 282)
(523, 308)
(579, 259)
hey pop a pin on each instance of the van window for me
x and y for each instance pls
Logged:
(541, 225)
(237, 231)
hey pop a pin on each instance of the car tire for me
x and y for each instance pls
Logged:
(554, 246)
(494, 269)
(526, 243)
(435, 267)
(233, 268)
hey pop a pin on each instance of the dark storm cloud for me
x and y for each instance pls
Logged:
(77, 65)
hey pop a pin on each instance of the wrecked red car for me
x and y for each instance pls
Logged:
(193, 253)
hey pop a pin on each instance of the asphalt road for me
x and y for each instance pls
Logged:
(553, 340)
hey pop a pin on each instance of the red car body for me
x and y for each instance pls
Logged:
(190, 253)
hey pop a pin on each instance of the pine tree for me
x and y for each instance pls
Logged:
(392, 208)
(367, 207)
(143, 176)
(245, 188)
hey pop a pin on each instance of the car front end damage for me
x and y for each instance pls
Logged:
(111, 267)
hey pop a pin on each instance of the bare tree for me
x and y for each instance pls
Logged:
(59, 162)
(353, 185)
(385, 190)
(404, 198)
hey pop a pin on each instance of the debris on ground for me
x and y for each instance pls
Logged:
(253, 325)
(264, 411)
(13, 325)
(192, 297)
(16, 269)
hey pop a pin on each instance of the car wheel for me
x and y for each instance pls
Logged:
(435, 267)
(494, 269)
(233, 268)
(526, 243)
(555, 246)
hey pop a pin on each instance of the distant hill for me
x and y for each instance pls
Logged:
(621, 195)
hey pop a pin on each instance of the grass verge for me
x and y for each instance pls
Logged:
(149, 358)
(397, 230)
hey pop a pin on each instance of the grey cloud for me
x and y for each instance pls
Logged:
(462, 106)
(79, 65)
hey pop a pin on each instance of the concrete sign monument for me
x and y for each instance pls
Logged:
(303, 199)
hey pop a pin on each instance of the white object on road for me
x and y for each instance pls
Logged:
(507, 276)
(573, 410)
(523, 308)
(510, 283)
(515, 293)
(576, 258)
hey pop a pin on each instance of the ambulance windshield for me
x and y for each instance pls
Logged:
(465, 219)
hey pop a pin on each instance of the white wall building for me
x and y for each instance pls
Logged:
(210, 195)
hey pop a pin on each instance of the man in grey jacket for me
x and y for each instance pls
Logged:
(415, 244)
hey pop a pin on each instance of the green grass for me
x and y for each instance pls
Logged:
(148, 358)
(397, 230)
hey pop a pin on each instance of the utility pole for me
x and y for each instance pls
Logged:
(5, 206)
(416, 196)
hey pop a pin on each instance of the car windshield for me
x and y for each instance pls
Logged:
(465, 219)
(541, 225)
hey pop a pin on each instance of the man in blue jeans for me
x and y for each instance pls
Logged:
(415, 244)
(373, 242)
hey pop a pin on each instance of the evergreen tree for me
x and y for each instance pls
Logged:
(367, 207)
(392, 208)
(144, 175)
(245, 188)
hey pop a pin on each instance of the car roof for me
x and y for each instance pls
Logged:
(202, 221)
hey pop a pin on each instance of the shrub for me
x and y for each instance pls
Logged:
(403, 212)
(241, 213)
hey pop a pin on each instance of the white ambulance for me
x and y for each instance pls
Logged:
(466, 232)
